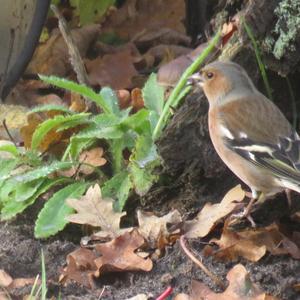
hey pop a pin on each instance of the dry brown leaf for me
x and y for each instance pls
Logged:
(92, 157)
(124, 98)
(114, 70)
(154, 228)
(252, 244)
(21, 282)
(119, 254)
(156, 36)
(137, 101)
(5, 279)
(33, 121)
(80, 267)
(211, 214)
(228, 29)
(93, 210)
(137, 16)
(240, 288)
(15, 118)
(52, 58)
(77, 103)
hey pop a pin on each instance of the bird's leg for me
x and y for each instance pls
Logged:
(255, 198)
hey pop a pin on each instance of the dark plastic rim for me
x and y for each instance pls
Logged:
(31, 40)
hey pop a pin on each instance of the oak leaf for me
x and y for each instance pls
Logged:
(240, 288)
(93, 210)
(211, 214)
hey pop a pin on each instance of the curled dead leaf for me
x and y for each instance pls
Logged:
(119, 254)
(253, 244)
(211, 214)
(156, 229)
(240, 288)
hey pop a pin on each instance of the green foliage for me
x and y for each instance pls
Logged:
(259, 59)
(128, 140)
(59, 123)
(181, 89)
(91, 11)
(51, 218)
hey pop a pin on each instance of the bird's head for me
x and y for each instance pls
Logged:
(220, 80)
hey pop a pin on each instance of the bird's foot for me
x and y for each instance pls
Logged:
(244, 214)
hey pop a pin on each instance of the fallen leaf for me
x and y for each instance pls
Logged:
(137, 101)
(93, 210)
(169, 74)
(156, 36)
(80, 268)
(139, 297)
(33, 121)
(124, 98)
(5, 279)
(92, 157)
(15, 118)
(228, 29)
(153, 228)
(136, 16)
(240, 288)
(119, 254)
(52, 58)
(113, 70)
(253, 244)
(211, 214)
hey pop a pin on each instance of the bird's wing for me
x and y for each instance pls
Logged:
(259, 132)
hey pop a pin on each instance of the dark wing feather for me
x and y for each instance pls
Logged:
(282, 159)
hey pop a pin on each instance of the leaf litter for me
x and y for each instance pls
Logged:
(128, 249)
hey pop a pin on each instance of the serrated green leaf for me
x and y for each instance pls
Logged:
(106, 120)
(118, 187)
(6, 166)
(138, 122)
(145, 151)
(23, 191)
(142, 178)
(153, 94)
(142, 163)
(43, 171)
(153, 119)
(75, 147)
(77, 88)
(113, 132)
(51, 218)
(13, 207)
(58, 121)
(111, 99)
(116, 148)
(51, 107)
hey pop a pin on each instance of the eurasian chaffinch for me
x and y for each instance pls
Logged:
(249, 132)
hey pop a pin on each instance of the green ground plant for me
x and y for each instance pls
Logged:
(28, 174)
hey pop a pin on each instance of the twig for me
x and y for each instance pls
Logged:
(216, 280)
(167, 292)
(75, 57)
(101, 293)
(8, 133)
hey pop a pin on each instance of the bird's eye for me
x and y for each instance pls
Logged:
(209, 75)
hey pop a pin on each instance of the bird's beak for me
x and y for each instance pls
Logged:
(195, 79)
